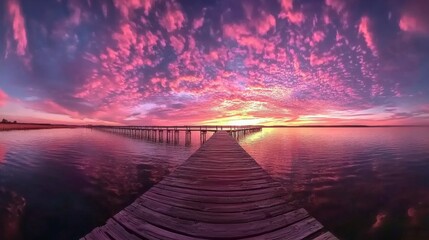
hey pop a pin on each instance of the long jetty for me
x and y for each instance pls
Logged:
(220, 192)
(171, 133)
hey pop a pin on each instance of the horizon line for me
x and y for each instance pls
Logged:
(208, 125)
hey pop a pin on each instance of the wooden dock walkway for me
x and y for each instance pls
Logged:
(220, 192)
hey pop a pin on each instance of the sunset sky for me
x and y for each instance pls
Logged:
(268, 62)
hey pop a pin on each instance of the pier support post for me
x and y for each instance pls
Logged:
(176, 137)
(203, 136)
(160, 135)
(188, 138)
(168, 135)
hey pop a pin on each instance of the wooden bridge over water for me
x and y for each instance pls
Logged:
(171, 133)
(220, 192)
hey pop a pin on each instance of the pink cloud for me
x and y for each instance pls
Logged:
(214, 55)
(147, 5)
(126, 38)
(337, 5)
(286, 4)
(246, 67)
(287, 12)
(235, 31)
(18, 26)
(158, 80)
(116, 85)
(198, 23)
(326, 19)
(318, 36)
(252, 42)
(185, 83)
(414, 17)
(316, 60)
(178, 43)
(364, 29)
(173, 19)
(409, 23)
(126, 7)
(265, 23)
(242, 34)
(3, 98)
(377, 90)
(49, 106)
(294, 17)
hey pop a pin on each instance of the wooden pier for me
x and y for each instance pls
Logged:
(220, 192)
(171, 133)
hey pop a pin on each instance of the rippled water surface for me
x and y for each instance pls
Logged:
(362, 183)
(60, 183)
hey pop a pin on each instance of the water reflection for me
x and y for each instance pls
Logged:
(2, 153)
(12, 207)
(363, 183)
(71, 180)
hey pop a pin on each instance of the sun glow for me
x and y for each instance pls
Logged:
(238, 121)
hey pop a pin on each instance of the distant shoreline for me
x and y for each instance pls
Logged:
(28, 126)
(32, 126)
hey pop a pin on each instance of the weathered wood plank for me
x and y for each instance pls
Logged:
(146, 230)
(268, 190)
(220, 187)
(214, 207)
(215, 230)
(97, 234)
(212, 217)
(116, 231)
(220, 192)
(220, 199)
(326, 236)
(297, 231)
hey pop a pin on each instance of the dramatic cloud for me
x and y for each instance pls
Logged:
(228, 62)
(173, 18)
(337, 5)
(18, 26)
(414, 17)
(265, 23)
(318, 36)
(364, 29)
(126, 7)
(287, 12)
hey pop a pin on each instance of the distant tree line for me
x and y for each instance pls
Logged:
(7, 121)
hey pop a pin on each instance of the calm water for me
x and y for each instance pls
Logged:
(60, 183)
(362, 183)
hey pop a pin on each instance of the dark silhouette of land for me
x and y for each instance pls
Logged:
(7, 126)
